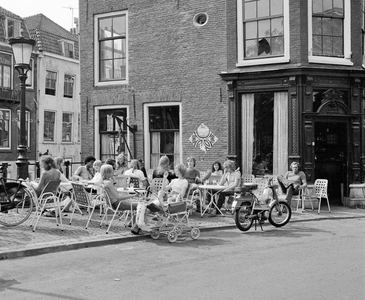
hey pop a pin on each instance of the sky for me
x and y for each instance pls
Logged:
(61, 12)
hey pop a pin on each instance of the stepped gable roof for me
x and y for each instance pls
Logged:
(48, 34)
(4, 13)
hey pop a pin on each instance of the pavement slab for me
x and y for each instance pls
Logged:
(21, 241)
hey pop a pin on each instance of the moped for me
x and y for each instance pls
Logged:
(247, 208)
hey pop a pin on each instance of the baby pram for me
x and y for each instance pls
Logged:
(172, 220)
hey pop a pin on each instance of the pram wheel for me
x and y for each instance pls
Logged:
(172, 236)
(155, 234)
(195, 233)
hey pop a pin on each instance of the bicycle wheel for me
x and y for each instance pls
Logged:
(22, 206)
(279, 214)
(242, 217)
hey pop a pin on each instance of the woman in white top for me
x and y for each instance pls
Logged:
(134, 171)
(97, 179)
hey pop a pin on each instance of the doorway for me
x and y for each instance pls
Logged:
(331, 155)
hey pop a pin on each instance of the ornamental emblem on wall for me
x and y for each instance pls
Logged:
(203, 138)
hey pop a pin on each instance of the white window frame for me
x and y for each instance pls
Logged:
(72, 125)
(6, 27)
(63, 42)
(54, 128)
(242, 62)
(96, 126)
(146, 128)
(11, 71)
(55, 85)
(97, 50)
(346, 60)
(10, 131)
(73, 86)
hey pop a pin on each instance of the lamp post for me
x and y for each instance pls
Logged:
(22, 50)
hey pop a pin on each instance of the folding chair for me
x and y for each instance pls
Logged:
(109, 207)
(320, 191)
(48, 199)
(156, 185)
(84, 199)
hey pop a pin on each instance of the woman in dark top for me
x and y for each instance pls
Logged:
(163, 166)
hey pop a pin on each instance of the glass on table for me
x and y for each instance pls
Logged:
(214, 182)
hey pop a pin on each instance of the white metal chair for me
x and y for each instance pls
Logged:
(303, 195)
(126, 213)
(84, 199)
(247, 178)
(48, 199)
(320, 191)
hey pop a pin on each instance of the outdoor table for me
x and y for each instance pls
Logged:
(212, 190)
(131, 190)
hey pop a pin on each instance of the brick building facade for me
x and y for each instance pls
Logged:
(281, 80)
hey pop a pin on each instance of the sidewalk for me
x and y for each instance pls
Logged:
(21, 241)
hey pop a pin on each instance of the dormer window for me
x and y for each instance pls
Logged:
(12, 28)
(68, 49)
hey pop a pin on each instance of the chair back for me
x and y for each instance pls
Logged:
(51, 187)
(134, 181)
(320, 188)
(156, 185)
(261, 184)
(149, 174)
(81, 195)
(247, 178)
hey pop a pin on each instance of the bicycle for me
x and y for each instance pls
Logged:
(248, 208)
(16, 201)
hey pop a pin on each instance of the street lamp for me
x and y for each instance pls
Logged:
(22, 50)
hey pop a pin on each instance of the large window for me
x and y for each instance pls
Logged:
(113, 133)
(49, 126)
(5, 70)
(263, 32)
(111, 48)
(51, 79)
(68, 89)
(27, 127)
(329, 31)
(67, 127)
(4, 128)
(164, 125)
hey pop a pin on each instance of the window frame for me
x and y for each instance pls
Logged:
(64, 53)
(241, 61)
(29, 84)
(9, 130)
(346, 59)
(71, 131)
(97, 81)
(50, 80)
(10, 74)
(7, 27)
(363, 32)
(65, 83)
(97, 134)
(146, 131)
(54, 126)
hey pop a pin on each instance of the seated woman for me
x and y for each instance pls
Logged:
(50, 173)
(107, 175)
(231, 179)
(292, 181)
(162, 168)
(177, 187)
(135, 171)
(122, 164)
(97, 180)
(216, 171)
(86, 172)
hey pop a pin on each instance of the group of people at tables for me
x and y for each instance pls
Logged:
(176, 183)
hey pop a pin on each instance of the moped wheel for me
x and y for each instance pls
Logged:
(195, 233)
(21, 208)
(242, 217)
(279, 214)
